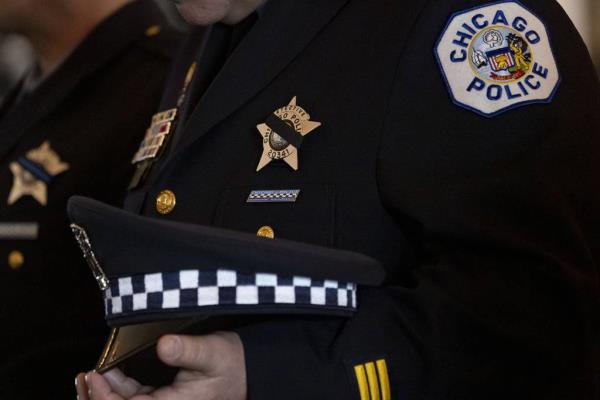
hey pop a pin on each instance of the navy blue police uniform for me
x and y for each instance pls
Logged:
(74, 133)
(453, 141)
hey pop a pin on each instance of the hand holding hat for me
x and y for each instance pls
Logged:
(161, 278)
(212, 365)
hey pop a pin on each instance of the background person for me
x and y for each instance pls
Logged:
(71, 125)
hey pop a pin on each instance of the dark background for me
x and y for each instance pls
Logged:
(16, 55)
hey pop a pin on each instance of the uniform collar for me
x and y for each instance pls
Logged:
(284, 30)
(261, 9)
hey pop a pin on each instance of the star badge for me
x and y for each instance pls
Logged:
(33, 173)
(282, 134)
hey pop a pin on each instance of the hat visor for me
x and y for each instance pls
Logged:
(131, 348)
(127, 341)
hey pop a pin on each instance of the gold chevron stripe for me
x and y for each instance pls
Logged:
(384, 380)
(373, 381)
(361, 378)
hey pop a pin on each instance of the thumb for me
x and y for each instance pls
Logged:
(188, 352)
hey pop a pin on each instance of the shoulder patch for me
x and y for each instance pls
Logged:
(497, 57)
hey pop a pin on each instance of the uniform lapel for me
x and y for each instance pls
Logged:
(103, 44)
(284, 30)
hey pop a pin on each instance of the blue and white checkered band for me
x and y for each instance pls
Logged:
(193, 289)
(273, 196)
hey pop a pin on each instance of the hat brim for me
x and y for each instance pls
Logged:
(128, 245)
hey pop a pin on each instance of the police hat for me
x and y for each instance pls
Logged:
(162, 277)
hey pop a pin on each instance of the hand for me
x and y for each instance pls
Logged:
(212, 368)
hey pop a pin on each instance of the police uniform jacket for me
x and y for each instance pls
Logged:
(75, 133)
(485, 218)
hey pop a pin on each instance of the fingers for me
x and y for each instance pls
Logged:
(100, 388)
(206, 354)
(81, 387)
(104, 387)
(123, 385)
(113, 385)
(188, 352)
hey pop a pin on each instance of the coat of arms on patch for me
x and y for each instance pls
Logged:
(501, 54)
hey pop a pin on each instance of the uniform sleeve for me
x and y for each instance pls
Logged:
(504, 214)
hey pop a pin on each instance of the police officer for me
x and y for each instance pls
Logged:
(70, 126)
(454, 141)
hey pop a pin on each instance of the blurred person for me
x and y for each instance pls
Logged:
(71, 125)
(15, 58)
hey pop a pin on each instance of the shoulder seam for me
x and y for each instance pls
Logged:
(398, 64)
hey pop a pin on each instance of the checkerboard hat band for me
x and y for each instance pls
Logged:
(191, 289)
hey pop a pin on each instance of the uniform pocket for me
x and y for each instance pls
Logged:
(310, 218)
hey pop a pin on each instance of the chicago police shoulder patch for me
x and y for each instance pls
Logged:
(497, 57)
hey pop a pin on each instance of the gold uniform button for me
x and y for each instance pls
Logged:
(266, 232)
(153, 30)
(165, 202)
(16, 259)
